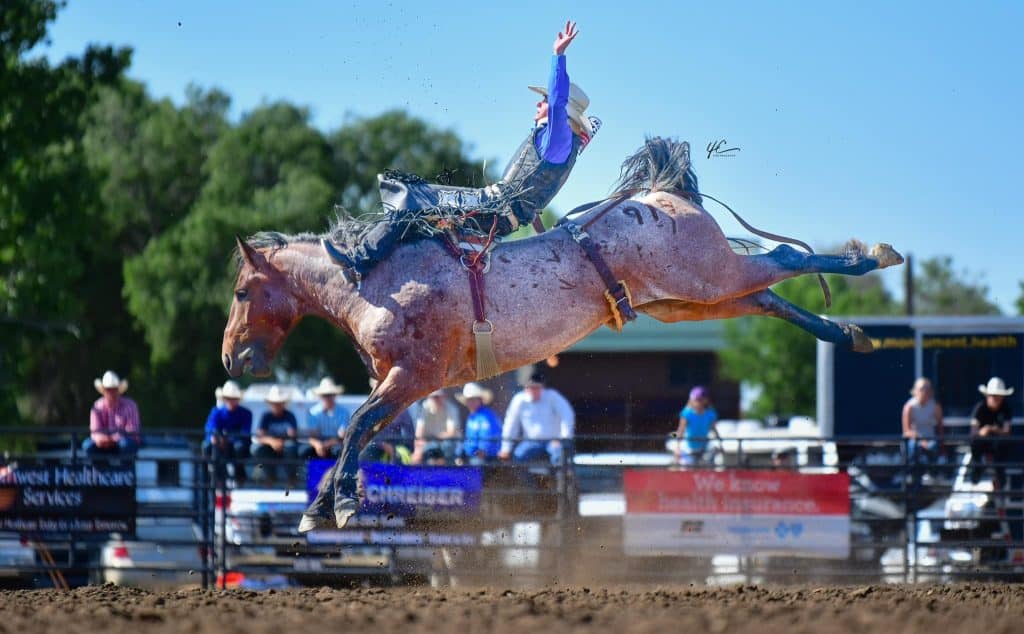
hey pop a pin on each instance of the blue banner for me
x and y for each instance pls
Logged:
(404, 490)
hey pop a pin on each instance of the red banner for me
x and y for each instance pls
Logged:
(736, 492)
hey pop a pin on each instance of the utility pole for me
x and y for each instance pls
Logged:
(908, 285)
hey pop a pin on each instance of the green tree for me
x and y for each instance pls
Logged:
(940, 290)
(366, 146)
(49, 215)
(779, 358)
(1020, 299)
(272, 171)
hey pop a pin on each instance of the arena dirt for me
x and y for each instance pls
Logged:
(987, 608)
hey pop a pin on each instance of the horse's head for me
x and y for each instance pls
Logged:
(263, 312)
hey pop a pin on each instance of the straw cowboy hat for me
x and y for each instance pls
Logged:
(276, 395)
(995, 387)
(328, 387)
(110, 380)
(474, 390)
(576, 108)
(230, 390)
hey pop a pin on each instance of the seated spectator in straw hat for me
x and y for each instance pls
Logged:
(990, 426)
(482, 437)
(538, 423)
(436, 426)
(275, 434)
(325, 423)
(228, 427)
(114, 426)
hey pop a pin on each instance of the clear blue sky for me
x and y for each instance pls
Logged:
(886, 123)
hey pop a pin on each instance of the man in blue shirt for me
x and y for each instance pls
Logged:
(531, 180)
(275, 434)
(227, 433)
(325, 423)
(482, 437)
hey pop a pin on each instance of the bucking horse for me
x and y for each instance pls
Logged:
(413, 319)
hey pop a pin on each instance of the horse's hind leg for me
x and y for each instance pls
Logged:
(763, 302)
(337, 499)
(783, 262)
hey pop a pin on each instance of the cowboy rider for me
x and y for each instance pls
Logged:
(531, 180)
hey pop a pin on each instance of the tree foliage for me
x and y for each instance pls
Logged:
(940, 290)
(53, 256)
(118, 214)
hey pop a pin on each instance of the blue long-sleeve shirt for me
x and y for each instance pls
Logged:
(554, 139)
(235, 423)
(483, 433)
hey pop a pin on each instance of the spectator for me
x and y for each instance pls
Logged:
(274, 437)
(784, 458)
(227, 432)
(437, 426)
(990, 425)
(482, 438)
(114, 426)
(922, 424)
(394, 444)
(538, 421)
(696, 425)
(325, 423)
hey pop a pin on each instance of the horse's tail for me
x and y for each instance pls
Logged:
(660, 165)
(664, 165)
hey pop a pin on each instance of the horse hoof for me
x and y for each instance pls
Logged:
(314, 522)
(886, 255)
(344, 509)
(858, 340)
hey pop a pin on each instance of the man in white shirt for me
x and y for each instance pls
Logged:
(538, 422)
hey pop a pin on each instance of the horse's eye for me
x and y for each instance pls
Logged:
(241, 294)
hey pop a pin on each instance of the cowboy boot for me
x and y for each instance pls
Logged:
(344, 262)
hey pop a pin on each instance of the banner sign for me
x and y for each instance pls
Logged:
(406, 491)
(736, 512)
(39, 497)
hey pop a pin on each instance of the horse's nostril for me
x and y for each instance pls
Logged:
(227, 361)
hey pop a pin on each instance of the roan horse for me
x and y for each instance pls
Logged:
(410, 319)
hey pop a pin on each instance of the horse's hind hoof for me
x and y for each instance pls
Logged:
(885, 255)
(315, 523)
(344, 509)
(859, 342)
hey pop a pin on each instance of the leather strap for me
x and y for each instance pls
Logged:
(538, 224)
(616, 288)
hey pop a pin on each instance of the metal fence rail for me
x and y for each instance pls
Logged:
(910, 519)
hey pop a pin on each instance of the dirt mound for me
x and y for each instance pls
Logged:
(989, 608)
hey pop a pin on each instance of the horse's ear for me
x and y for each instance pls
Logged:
(248, 253)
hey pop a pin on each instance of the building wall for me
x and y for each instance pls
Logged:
(637, 393)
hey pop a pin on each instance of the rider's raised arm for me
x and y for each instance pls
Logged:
(554, 141)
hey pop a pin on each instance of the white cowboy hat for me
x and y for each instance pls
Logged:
(438, 392)
(276, 395)
(474, 390)
(230, 390)
(576, 108)
(328, 387)
(995, 387)
(110, 380)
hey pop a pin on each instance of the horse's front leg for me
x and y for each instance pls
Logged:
(337, 500)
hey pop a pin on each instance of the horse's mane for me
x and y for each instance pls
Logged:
(660, 165)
